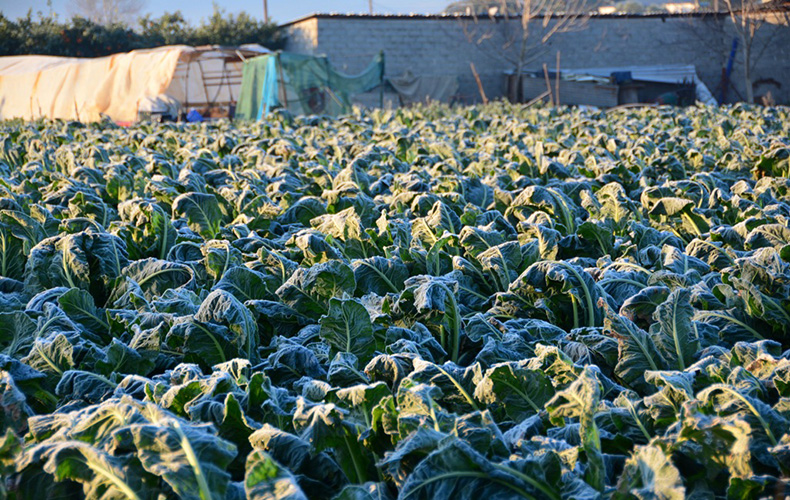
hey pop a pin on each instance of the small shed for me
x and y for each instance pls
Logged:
(209, 77)
(610, 86)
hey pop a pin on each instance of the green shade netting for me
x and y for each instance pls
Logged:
(302, 84)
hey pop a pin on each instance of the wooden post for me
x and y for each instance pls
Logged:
(557, 82)
(548, 83)
(537, 99)
(479, 83)
(281, 82)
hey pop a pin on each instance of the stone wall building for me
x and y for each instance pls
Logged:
(446, 45)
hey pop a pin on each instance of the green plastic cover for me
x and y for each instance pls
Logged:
(254, 74)
(302, 84)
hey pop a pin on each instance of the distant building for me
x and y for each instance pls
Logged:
(430, 50)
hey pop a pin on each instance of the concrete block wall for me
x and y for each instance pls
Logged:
(303, 38)
(436, 45)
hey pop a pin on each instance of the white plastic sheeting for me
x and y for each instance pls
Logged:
(667, 73)
(85, 89)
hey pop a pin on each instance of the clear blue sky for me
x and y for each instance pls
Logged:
(280, 10)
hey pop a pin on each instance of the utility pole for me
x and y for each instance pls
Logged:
(266, 11)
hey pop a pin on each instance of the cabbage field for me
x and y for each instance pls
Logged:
(490, 302)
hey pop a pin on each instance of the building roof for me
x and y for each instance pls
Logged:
(450, 17)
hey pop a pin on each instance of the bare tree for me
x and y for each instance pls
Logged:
(748, 18)
(555, 16)
(520, 39)
(108, 12)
